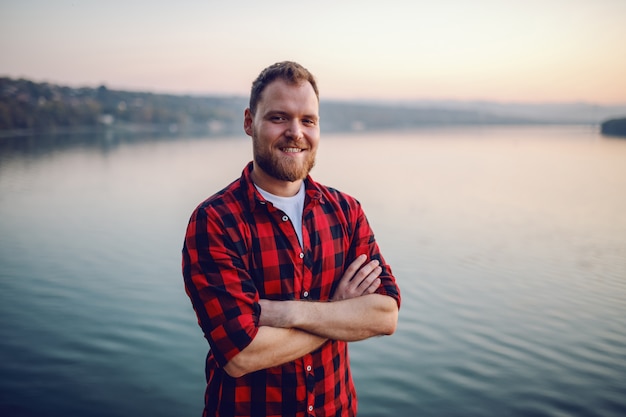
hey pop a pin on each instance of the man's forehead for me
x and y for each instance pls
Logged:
(281, 91)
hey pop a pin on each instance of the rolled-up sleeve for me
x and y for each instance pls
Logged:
(222, 293)
(364, 242)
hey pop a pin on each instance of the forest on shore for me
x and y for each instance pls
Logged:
(25, 104)
(28, 107)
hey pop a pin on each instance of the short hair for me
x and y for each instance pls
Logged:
(288, 71)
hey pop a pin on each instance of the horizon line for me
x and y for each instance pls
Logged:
(379, 99)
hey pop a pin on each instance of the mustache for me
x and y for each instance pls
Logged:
(294, 144)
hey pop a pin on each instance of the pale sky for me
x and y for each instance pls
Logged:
(497, 50)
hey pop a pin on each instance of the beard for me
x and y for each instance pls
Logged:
(280, 167)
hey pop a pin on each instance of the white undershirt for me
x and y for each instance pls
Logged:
(291, 206)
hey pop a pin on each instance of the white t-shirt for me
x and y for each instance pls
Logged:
(291, 206)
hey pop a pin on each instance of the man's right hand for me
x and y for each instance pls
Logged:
(359, 279)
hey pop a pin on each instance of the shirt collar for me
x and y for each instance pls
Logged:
(255, 199)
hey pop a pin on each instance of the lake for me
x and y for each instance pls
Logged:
(508, 243)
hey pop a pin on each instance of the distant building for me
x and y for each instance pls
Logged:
(106, 119)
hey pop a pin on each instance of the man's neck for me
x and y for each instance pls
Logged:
(273, 185)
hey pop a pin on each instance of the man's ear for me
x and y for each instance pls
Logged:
(247, 122)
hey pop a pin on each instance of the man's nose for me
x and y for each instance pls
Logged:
(294, 130)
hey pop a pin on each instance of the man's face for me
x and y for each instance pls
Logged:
(285, 130)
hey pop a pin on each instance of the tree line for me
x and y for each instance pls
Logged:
(45, 107)
(614, 127)
(25, 104)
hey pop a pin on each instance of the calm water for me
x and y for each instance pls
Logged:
(509, 245)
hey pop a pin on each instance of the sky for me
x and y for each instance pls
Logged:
(494, 50)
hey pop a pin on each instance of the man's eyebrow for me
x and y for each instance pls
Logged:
(287, 113)
(275, 112)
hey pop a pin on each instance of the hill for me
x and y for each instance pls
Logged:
(28, 106)
(614, 127)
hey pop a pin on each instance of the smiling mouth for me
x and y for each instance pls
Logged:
(292, 150)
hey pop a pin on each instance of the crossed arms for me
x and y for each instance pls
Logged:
(291, 329)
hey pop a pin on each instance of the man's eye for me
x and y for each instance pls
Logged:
(309, 122)
(277, 118)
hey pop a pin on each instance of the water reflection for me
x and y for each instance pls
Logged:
(103, 141)
(509, 245)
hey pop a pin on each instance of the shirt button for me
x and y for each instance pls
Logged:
(308, 368)
(305, 294)
(301, 255)
(285, 218)
(310, 408)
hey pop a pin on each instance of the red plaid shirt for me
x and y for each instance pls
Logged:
(239, 248)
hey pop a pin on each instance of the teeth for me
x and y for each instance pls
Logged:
(292, 150)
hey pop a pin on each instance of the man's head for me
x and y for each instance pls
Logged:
(288, 71)
(283, 121)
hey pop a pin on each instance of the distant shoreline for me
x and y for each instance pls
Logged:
(172, 131)
(28, 108)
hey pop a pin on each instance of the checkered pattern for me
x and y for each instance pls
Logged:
(239, 248)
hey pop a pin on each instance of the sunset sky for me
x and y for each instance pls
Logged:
(497, 50)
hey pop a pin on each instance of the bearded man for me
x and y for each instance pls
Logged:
(283, 272)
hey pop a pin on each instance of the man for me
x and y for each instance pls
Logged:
(281, 271)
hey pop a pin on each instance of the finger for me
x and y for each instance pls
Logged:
(355, 266)
(369, 279)
(344, 289)
(365, 271)
(357, 271)
(373, 287)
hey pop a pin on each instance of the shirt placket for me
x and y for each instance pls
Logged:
(302, 285)
(307, 273)
(310, 384)
(298, 256)
(307, 280)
